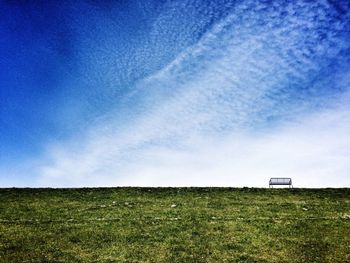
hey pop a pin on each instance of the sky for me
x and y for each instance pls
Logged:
(174, 93)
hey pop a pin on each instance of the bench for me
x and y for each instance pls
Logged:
(280, 181)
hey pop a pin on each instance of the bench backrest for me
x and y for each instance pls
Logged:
(280, 181)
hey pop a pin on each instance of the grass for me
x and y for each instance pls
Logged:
(206, 225)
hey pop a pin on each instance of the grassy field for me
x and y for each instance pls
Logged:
(174, 225)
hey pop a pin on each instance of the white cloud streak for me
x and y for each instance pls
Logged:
(200, 120)
(314, 152)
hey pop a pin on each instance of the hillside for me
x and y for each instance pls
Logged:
(174, 225)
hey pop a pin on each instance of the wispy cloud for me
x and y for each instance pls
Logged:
(314, 151)
(249, 100)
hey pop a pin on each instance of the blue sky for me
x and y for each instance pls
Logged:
(174, 93)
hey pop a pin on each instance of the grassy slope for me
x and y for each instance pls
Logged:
(207, 225)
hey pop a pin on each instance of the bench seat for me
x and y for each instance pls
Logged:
(280, 181)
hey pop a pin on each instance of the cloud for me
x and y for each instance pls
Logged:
(314, 151)
(248, 101)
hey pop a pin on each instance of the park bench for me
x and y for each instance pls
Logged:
(280, 181)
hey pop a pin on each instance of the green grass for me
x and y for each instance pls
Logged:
(207, 225)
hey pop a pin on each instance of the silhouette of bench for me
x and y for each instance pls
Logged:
(280, 181)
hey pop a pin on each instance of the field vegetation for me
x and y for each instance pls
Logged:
(174, 225)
